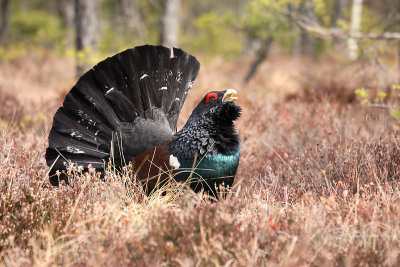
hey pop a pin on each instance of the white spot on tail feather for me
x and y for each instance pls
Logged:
(76, 134)
(174, 162)
(179, 76)
(74, 150)
(144, 76)
(163, 88)
(110, 90)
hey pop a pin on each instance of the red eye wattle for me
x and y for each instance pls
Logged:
(211, 95)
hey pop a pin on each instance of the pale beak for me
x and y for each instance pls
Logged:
(230, 95)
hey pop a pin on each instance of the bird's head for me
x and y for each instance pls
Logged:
(210, 129)
(219, 105)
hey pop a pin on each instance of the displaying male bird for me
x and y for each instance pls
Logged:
(126, 108)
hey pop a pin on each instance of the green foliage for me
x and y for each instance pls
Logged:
(362, 93)
(214, 27)
(394, 101)
(371, 21)
(395, 113)
(396, 87)
(151, 13)
(14, 52)
(383, 100)
(112, 41)
(36, 28)
(87, 56)
(261, 19)
(380, 96)
(215, 35)
(322, 10)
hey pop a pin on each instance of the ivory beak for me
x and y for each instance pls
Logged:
(230, 96)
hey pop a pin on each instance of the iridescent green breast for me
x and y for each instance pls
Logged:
(213, 170)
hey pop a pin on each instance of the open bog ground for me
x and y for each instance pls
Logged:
(318, 182)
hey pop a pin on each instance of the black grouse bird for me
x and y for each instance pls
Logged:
(127, 106)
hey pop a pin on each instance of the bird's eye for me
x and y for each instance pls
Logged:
(211, 97)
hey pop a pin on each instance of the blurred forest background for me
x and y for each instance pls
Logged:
(89, 30)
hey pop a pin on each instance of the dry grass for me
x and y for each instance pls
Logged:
(318, 182)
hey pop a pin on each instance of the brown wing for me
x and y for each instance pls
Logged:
(152, 167)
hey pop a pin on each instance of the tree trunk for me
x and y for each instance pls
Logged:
(170, 23)
(4, 21)
(398, 47)
(356, 14)
(86, 27)
(337, 14)
(65, 9)
(262, 54)
(131, 19)
(307, 43)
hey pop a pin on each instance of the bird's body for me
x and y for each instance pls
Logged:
(126, 108)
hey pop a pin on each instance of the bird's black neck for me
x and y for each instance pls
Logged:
(207, 134)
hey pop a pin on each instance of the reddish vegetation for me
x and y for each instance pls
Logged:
(318, 182)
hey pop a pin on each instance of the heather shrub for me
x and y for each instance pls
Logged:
(318, 184)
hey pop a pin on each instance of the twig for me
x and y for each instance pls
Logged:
(338, 33)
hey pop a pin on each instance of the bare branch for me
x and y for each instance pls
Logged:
(335, 32)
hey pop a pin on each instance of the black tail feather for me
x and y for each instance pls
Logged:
(75, 103)
(90, 89)
(117, 91)
(64, 160)
(125, 110)
(65, 123)
(64, 143)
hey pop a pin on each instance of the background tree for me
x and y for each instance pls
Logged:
(356, 15)
(227, 28)
(130, 20)
(306, 41)
(66, 10)
(4, 23)
(170, 23)
(87, 30)
(398, 43)
(337, 16)
(263, 25)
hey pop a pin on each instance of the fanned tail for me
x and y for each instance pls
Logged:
(139, 91)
